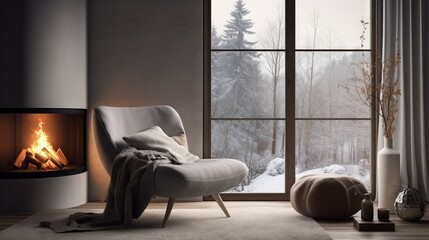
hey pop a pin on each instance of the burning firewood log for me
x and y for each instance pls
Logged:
(30, 159)
(41, 158)
(20, 159)
(53, 157)
(63, 158)
(25, 165)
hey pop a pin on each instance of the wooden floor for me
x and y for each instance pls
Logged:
(337, 229)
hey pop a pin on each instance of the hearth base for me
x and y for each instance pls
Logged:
(35, 194)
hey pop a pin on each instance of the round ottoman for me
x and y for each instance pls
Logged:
(327, 196)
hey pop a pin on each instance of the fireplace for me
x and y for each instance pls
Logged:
(42, 159)
(43, 83)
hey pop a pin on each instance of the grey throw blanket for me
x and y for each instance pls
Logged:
(130, 191)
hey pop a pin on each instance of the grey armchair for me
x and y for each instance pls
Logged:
(201, 178)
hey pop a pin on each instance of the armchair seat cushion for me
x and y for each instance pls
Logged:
(203, 177)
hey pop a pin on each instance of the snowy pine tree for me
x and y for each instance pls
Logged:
(239, 70)
(237, 27)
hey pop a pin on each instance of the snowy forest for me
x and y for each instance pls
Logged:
(248, 102)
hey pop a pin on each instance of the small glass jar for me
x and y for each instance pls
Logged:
(367, 208)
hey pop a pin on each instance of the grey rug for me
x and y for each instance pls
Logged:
(259, 222)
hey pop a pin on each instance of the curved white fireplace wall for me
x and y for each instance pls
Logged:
(35, 194)
(44, 45)
(48, 62)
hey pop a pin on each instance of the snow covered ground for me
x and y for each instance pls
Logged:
(273, 179)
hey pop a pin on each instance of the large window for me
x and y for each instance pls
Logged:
(279, 90)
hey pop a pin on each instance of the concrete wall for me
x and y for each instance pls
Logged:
(144, 52)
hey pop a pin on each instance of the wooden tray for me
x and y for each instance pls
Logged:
(373, 226)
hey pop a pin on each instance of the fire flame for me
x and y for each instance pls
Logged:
(41, 154)
(41, 141)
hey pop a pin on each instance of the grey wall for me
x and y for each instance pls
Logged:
(43, 50)
(144, 52)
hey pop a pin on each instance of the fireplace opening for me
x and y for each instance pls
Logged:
(42, 142)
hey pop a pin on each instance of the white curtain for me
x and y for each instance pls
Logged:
(406, 30)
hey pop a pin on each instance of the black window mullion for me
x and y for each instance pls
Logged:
(206, 78)
(246, 50)
(290, 96)
(332, 50)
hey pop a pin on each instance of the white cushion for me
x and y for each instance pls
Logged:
(155, 139)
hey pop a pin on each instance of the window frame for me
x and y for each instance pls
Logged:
(289, 118)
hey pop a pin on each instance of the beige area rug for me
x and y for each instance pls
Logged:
(259, 222)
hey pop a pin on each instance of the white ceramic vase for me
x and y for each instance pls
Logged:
(388, 178)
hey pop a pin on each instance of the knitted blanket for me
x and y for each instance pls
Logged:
(130, 191)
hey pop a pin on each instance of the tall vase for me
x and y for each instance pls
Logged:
(388, 178)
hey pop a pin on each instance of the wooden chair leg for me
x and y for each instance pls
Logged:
(168, 211)
(219, 201)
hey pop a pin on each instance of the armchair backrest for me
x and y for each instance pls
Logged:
(112, 123)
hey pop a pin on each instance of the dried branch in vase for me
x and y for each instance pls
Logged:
(382, 97)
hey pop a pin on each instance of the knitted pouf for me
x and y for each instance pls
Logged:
(327, 196)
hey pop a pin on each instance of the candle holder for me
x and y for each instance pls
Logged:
(383, 214)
